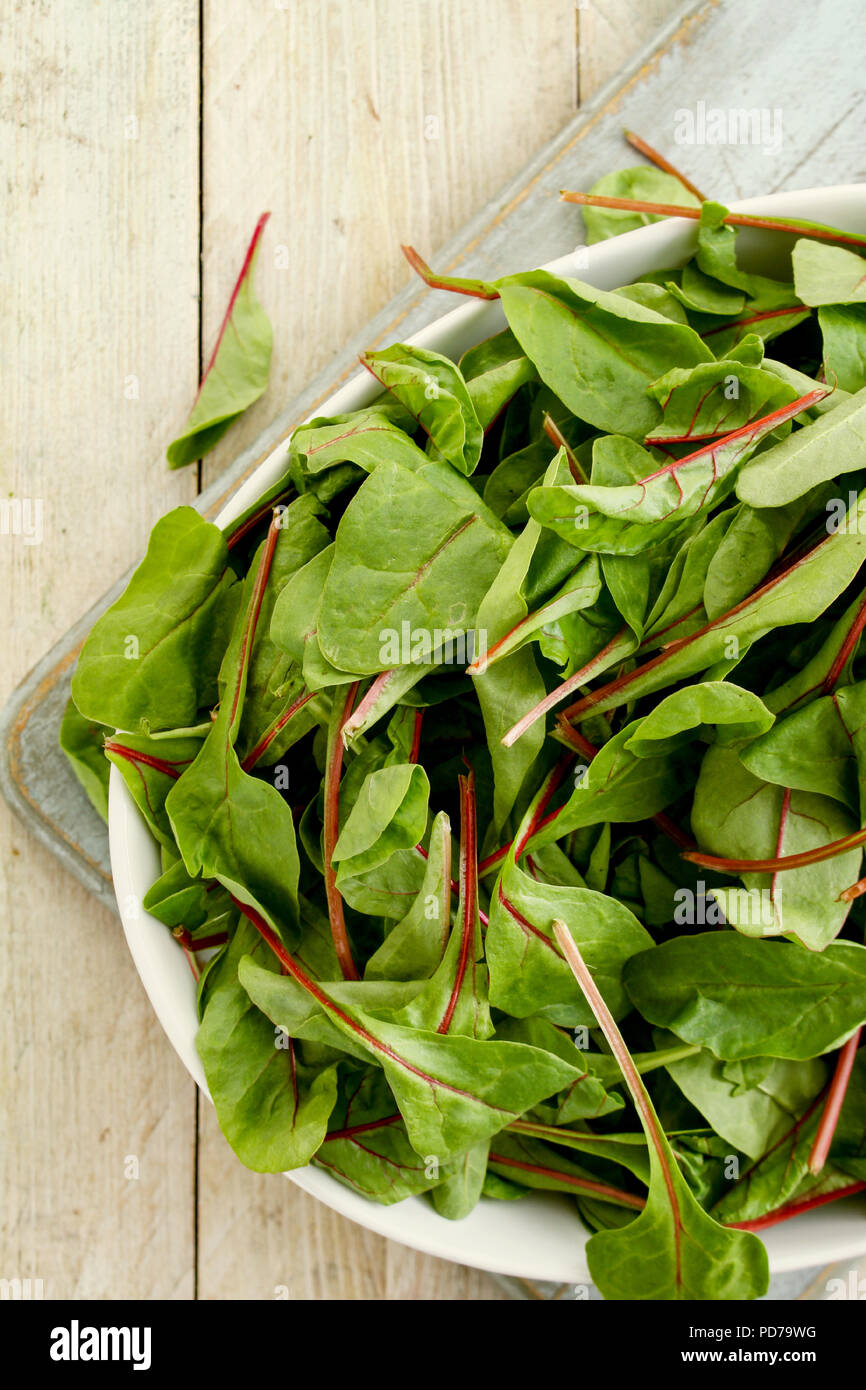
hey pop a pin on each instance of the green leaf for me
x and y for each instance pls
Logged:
(227, 824)
(389, 814)
(364, 437)
(828, 274)
(737, 816)
(643, 183)
(798, 595)
(618, 785)
(414, 947)
(528, 974)
(151, 661)
(718, 397)
(426, 562)
(81, 740)
(673, 1250)
(751, 1119)
(628, 519)
(493, 372)
(832, 446)
(237, 373)
(432, 389)
(843, 335)
(597, 350)
(377, 1162)
(801, 1003)
(737, 714)
(453, 1092)
(272, 1109)
(150, 767)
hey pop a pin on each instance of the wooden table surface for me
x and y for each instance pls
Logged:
(139, 144)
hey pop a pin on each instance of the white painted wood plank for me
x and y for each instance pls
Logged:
(360, 124)
(99, 147)
(610, 32)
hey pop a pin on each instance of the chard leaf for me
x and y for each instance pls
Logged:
(801, 1003)
(390, 813)
(673, 1250)
(374, 1158)
(750, 1118)
(737, 714)
(528, 973)
(454, 999)
(799, 594)
(843, 336)
(644, 183)
(453, 1092)
(228, 825)
(150, 767)
(718, 397)
(619, 786)
(631, 518)
(429, 573)
(831, 446)
(81, 740)
(237, 373)
(365, 437)
(494, 371)
(828, 274)
(272, 1109)
(151, 661)
(433, 391)
(596, 349)
(743, 817)
(414, 947)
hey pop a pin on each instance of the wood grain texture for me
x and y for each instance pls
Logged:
(360, 124)
(98, 116)
(610, 32)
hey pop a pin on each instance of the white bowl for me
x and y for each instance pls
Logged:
(539, 1237)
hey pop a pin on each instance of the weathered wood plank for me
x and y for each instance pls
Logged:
(360, 124)
(98, 143)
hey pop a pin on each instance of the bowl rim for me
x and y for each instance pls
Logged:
(529, 1238)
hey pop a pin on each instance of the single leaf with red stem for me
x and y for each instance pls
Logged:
(622, 346)
(673, 1250)
(150, 768)
(528, 974)
(415, 945)
(151, 661)
(237, 372)
(271, 1107)
(431, 388)
(801, 1003)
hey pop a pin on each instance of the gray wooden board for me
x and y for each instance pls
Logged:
(803, 59)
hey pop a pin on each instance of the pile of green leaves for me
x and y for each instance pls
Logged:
(388, 851)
